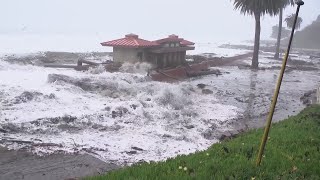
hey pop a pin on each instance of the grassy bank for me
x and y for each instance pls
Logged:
(292, 152)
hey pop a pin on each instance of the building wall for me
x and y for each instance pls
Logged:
(122, 55)
(172, 59)
(162, 60)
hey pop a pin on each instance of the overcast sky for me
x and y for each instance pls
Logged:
(101, 20)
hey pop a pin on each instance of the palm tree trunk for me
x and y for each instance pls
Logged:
(276, 56)
(255, 58)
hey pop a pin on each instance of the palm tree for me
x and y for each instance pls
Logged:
(287, 2)
(290, 20)
(258, 8)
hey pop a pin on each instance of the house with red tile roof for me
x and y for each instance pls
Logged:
(162, 53)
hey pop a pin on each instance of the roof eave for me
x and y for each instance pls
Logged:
(166, 40)
(190, 44)
(133, 47)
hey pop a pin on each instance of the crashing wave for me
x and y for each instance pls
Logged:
(108, 113)
(139, 68)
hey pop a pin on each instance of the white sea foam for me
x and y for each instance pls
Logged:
(106, 114)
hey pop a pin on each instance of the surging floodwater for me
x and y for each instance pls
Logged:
(114, 116)
(126, 117)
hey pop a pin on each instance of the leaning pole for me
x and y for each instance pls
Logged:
(276, 92)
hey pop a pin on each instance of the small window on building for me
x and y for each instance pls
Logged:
(171, 44)
(177, 44)
(166, 45)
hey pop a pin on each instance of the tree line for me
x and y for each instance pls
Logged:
(259, 8)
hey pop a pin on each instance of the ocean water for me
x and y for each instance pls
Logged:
(120, 116)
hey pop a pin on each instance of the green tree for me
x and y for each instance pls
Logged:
(258, 8)
(290, 20)
(275, 32)
(286, 3)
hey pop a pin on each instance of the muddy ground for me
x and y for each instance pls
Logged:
(250, 94)
(16, 165)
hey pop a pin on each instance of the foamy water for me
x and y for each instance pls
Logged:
(114, 116)
(127, 118)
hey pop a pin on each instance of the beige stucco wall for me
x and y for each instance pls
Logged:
(170, 59)
(127, 55)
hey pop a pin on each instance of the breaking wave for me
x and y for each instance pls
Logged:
(140, 68)
(109, 115)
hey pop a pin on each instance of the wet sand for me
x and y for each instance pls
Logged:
(20, 164)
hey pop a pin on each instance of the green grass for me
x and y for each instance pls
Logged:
(292, 152)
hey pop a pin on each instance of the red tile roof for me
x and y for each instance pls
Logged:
(186, 43)
(133, 41)
(170, 38)
(130, 40)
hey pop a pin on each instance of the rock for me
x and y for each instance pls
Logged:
(214, 126)
(11, 128)
(57, 120)
(309, 97)
(54, 120)
(207, 91)
(36, 122)
(115, 127)
(119, 112)
(134, 106)
(131, 152)
(201, 86)
(244, 67)
(26, 97)
(167, 136)
(242, 100)
(51, 96)
(198, 58)
(68, 119)
(3, 131)
(107, 108)
(306, 101)
(225, 135)
(208, 134)
(114, 114)
(96, 126)
(189, 126)
(137, 148)
(68, 128)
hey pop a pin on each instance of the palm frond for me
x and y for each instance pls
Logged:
(290, 20)
(262, 7)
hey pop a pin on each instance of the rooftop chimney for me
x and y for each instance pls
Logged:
(134, 36)
(173, 36)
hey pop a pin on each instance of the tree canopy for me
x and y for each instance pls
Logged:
(284, 32)
(290, 20)
(250, 7)
(258, 8)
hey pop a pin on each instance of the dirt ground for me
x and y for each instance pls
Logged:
(16, 165)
